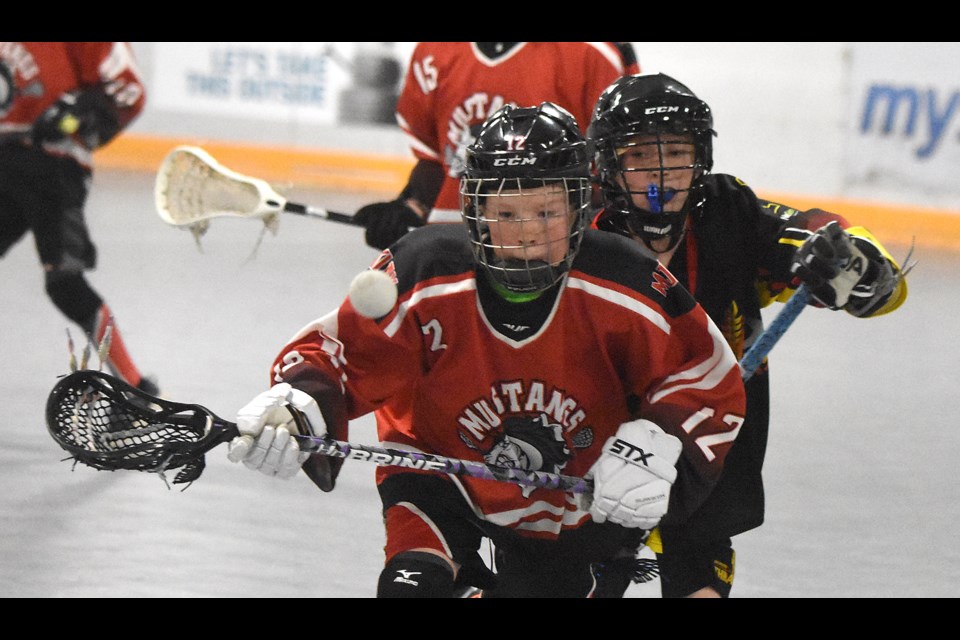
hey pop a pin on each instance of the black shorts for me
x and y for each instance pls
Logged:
(698, 553)
(46, 195)
(525, 567)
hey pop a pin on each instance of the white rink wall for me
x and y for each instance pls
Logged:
(869, 121)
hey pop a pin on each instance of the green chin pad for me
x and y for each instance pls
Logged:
(513, 296)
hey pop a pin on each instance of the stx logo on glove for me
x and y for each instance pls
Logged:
(630, 453)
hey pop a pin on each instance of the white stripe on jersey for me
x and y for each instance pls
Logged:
(610, 53)
(443, 289)
(706, 375)
(430, 523)
(327, 325)
(445, 216)
(623, 300)
(553, 520)
(520, 519)
(415, 142)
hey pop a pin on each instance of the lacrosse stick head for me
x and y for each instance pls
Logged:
(192, 188)
(107, 424)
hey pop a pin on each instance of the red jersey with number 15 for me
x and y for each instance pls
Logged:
(451, 88)
(34, 75)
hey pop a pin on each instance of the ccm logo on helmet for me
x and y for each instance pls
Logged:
(661, 110)
(513, 162)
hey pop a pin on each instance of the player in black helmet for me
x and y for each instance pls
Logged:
(554, 162)
(528, 340)
(736, 253)
(647, 181)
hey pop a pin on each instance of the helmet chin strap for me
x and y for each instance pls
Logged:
(655, 252)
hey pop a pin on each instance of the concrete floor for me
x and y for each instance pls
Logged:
(862, 500)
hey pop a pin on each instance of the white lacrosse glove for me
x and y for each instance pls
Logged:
(633, 475)
(266, 425)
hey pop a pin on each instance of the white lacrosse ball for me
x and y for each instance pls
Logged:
(373, 293)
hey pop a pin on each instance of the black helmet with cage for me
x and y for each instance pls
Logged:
(526, 152)
(655, 112)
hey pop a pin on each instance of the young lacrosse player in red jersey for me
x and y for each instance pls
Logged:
(452, 87)
(524, 340)
(59, 102)
(736, 254)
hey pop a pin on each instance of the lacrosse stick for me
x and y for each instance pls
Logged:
(192, 188)
(754, 357)
(107, 424)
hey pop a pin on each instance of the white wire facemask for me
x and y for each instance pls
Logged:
(525, 232)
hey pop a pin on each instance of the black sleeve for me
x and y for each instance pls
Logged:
(323, 470)
(424, 183)
(627, 53)
(769, 233)
(783, 230)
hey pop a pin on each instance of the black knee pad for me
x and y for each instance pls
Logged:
(416, 575)
(73, 296)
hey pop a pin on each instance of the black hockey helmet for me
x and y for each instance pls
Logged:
(658, 106)
(516, 150)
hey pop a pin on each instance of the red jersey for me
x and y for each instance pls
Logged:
(457, 371)
(37, 74)
(451, 88)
